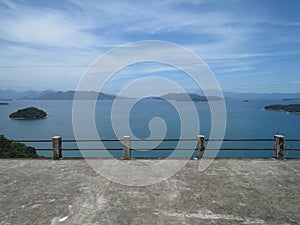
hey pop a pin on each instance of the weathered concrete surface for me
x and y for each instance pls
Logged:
(230, 191)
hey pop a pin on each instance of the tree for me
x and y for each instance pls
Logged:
(9, 149)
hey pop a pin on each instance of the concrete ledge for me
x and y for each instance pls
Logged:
(230, 191)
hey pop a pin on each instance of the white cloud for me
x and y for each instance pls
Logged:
(74, 32)
(45, 28)
(234, 70)
(8, 4)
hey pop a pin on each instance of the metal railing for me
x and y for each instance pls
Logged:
(279, 147)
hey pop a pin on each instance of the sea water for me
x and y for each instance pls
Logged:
(244, 120)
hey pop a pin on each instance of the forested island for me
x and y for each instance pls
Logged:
(9, 149)
(28, 113)
(292, 108)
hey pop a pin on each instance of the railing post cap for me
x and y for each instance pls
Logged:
(56, 137)
(126, 136)
(278, 136)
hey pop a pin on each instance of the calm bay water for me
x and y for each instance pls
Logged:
(244, 120)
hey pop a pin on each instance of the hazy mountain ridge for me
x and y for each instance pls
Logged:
(30, 94)
(196, 96)
(52, 95)
(69, 95)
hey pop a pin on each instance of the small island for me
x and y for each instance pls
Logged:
(29, 113)
(4, 103)
(292, 108)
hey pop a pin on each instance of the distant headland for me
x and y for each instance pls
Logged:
(291, 99)
(292, 108)
(28, 113)
(182, 97)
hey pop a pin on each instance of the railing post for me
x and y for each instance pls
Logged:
(278, 147)
(200, 146)
(56, 147)
(126, 147)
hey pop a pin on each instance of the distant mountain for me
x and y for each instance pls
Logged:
(69, 95)
(32, 95)
(10, 94)
(60, 95)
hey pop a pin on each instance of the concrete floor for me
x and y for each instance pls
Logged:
(230, 191)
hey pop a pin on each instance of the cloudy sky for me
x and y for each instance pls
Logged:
(249, 45)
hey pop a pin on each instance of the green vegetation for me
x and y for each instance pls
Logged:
(10, 149)
(292, 108)
(28, 113)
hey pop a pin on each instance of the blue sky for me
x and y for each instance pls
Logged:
(250, 46)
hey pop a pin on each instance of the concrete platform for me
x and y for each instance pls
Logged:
(230, 191)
